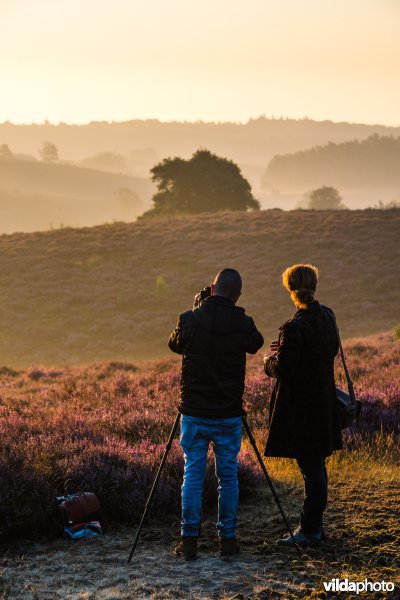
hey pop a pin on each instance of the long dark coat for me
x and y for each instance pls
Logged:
(303, 417)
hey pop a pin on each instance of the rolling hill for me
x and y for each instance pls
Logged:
(36, 195)
(114, 291)
(371, 163)
(252, 145)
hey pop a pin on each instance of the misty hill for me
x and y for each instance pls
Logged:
(136, 162)
(371, 163)
(21, 211)
(114, 291)
(251, 145)
(54, 178)
(36, 195)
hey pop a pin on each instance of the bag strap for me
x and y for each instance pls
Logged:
(348, 378)
(70, 483)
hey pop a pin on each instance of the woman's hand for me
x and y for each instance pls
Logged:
(274, 346)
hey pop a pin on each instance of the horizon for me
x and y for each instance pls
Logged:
(200, 121)
(207, 62)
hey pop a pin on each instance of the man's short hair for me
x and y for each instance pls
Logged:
(228, 283)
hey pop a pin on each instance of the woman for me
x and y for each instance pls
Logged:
(303, 419)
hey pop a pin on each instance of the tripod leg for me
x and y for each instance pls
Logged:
(267, 477)
(154, 486)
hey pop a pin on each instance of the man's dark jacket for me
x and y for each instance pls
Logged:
(303, 416)
(213, 340)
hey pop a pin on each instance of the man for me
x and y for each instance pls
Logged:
(213, 339)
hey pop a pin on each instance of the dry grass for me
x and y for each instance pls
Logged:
(362, 523)
(82, 295)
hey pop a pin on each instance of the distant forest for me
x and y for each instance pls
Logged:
(82, 175)
(251, 145)
(356, 164)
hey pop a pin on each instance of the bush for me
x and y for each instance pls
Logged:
(107, 425)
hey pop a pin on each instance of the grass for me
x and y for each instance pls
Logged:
(93, 294)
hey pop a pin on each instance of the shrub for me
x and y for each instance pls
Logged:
(109, 433)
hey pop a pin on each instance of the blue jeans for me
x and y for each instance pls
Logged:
(225, 436)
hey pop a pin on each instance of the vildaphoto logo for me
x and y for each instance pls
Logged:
(346, 585)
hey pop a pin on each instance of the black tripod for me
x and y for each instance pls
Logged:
(162, 463)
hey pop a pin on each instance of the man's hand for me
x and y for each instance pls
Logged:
(197, 300)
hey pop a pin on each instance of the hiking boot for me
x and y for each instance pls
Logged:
(304, 540)
(229, 546)
(187, 548)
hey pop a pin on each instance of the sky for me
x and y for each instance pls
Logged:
(77, 61)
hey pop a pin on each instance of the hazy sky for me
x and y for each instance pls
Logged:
(83, 60)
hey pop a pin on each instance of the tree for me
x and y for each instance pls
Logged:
(204, 183)
(106, 161)
(391, 205)
(5, 151)
(129, 203)
(49, 152)
(324, 198)
(355, 164)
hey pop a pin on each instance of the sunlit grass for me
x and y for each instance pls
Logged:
(114, 292)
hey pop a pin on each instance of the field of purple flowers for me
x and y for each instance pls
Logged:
(106, 425)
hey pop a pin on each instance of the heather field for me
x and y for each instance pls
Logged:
(107, 423)
(114, 292)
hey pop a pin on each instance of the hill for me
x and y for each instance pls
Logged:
(252, 145)
(35, 195)
(366, 164)
(22, 211)
(114, 291)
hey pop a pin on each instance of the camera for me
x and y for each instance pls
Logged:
(205, 293)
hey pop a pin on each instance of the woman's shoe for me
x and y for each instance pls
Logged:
(304, 540)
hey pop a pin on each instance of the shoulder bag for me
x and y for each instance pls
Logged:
(347, 404)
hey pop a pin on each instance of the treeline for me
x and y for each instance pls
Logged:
(250, 144)
(355, 164)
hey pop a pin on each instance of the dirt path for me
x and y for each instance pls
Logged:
(97, 569)
(364, 544)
